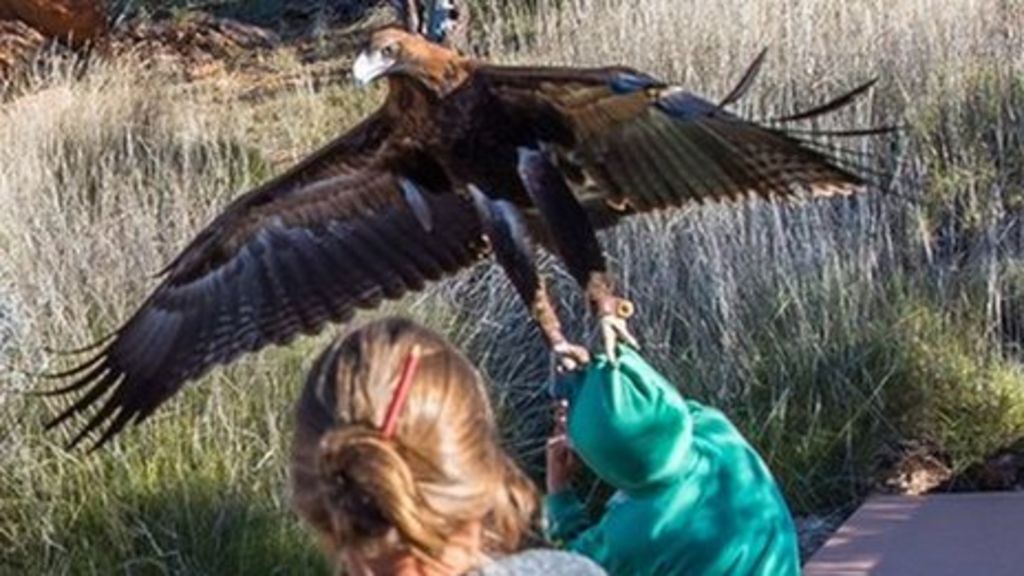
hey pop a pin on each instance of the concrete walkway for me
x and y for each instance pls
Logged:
(977, 534)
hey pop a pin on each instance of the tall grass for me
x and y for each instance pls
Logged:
(831, 331)
(834, 331)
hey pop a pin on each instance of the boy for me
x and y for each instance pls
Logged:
(693, 496)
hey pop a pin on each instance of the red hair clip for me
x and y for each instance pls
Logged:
(401, 393)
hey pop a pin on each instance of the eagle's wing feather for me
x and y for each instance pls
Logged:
(335, 234)
(647, 145)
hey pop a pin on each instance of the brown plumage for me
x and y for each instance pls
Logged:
(463, 158)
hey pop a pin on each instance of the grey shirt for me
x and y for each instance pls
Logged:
(541, 562)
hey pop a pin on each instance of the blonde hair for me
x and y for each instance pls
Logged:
(442, 470)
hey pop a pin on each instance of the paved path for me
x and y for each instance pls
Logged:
(978, 534)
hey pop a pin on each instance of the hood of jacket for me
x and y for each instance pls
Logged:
(627, 423)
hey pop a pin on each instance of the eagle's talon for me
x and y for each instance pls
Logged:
(569, 357)
(614, 329)
(611, 305)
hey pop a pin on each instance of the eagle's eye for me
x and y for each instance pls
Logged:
(389, 51)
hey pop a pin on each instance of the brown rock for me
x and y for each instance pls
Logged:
(75, 21)
(18, 42)
(199, 45)
(917, 470)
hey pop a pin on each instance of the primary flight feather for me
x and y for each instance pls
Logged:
(462, 160)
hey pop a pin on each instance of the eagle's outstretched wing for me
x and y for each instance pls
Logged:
(345, 229)
(634, 143)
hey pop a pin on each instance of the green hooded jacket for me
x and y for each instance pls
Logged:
(694, 497)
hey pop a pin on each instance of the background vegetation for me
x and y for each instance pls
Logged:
(836, 333)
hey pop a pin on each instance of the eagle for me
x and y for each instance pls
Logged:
(463, 160)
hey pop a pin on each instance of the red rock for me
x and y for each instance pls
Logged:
(18, 42)
(76, 21)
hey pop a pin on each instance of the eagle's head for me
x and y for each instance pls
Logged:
(394, 52)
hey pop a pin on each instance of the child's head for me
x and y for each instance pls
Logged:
(627, 423)
(441, 473)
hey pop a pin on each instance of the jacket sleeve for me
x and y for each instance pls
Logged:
(566, 516)
(569, 526)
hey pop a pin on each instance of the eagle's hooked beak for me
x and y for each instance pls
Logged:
(369, 66)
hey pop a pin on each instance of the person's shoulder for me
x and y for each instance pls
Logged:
(541, 561)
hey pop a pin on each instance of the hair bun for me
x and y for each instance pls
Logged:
(369, 489)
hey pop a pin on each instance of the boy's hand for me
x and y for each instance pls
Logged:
(562, 462)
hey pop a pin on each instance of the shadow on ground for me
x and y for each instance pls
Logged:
(201, 528)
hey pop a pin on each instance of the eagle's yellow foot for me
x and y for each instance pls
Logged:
(569, 357)
(614, 327)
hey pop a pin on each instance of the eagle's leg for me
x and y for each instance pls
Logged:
(510, 241)
(574, 238)
(611, 310)
(568, 355)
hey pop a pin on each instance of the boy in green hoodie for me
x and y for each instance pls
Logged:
(693, 496)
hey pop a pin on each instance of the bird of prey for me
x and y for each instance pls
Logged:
(463, 159)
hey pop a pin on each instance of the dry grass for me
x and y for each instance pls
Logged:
(831, 331)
